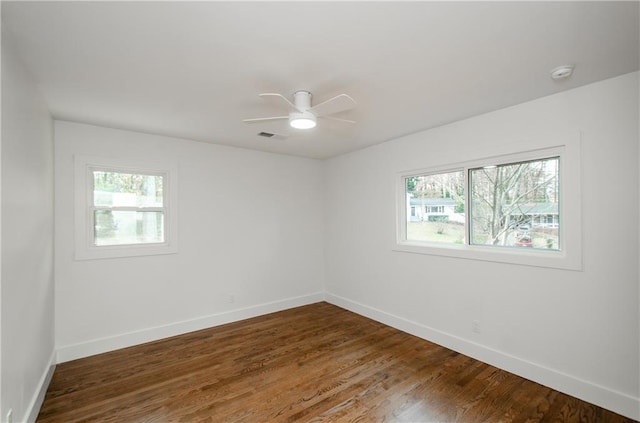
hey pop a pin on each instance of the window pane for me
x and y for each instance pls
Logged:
(128, 227)
(516, 204)
(435, 208)
(113, 189)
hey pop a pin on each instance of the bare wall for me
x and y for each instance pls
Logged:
(249, 224)
(576, 331)
(27, 241)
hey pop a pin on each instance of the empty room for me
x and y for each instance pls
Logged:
(299, 211)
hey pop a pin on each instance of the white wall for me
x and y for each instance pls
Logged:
(27, 241)
(576, 331)
(250, 223)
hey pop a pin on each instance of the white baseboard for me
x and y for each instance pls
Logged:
(98, 346)
(36, 402)
(617, 402)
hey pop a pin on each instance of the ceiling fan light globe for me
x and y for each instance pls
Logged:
(302, 123)
(302, 120)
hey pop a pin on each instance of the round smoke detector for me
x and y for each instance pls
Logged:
(562, 72)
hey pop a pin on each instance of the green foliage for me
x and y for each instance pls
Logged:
(438, 218)
(412, 181)
(128, 183)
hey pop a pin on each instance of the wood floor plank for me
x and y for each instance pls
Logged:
(317, 363)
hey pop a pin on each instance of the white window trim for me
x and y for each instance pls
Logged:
(570, 255)
(83, 219)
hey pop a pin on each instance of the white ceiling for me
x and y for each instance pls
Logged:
(194, 69)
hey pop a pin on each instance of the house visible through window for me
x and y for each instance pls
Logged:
(437, 204)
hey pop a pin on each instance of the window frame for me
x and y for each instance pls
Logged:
(568, 257)
(85, 248)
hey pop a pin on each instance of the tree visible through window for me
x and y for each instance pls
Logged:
(516, 204)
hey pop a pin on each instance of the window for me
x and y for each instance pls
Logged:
(510, 208)
(433, 193)
(507, 201)
(127, 208)
(124, 209)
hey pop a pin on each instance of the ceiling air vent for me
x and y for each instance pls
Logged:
(272, 135)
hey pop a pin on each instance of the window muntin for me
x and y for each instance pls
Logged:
(127, 208)
(516, 204)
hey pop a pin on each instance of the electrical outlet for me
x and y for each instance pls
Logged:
(476, 326)
(10, 416)
(231, 298)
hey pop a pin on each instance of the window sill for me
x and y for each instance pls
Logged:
(518, 256)
(119, 251)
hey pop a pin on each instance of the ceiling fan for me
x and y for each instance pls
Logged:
(303, 116)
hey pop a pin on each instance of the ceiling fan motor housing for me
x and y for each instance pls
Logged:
(302, 100)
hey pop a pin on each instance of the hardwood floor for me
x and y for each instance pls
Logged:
(317, 363)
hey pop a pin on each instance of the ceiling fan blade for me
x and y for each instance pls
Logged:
(283, 98)
(337, 104)
(264, 119)
(338, 119)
